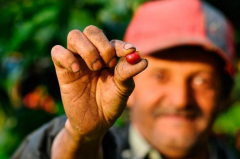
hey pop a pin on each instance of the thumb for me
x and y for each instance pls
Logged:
(124, 73)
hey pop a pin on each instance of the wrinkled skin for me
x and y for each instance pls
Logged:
(176, 100)
(94, 88)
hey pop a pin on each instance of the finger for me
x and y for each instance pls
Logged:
(122, 48)
(124, 72)
(78, 43)
(100, 41)
(64, 59)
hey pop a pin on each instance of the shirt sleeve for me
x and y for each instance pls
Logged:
(38, 144)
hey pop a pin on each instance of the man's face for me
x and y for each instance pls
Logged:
(175, 99)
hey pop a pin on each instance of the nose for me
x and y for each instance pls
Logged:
(180, 95)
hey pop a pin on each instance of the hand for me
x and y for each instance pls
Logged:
(94, 86)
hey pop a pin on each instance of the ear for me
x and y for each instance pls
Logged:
(130, 100)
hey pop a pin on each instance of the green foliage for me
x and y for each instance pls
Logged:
(229, 121)
(29, 93)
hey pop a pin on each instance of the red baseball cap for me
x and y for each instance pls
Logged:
(161, 24)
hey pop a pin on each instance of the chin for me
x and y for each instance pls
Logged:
(175, 145)
(175, 150)
(181, 153)
(174, 155)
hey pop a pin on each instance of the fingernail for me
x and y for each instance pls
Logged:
(97, 65)
(75, 67)
(128, 46)
(113, 62)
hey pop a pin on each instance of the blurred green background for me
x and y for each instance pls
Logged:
(29, 92)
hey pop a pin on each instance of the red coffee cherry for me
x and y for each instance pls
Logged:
(133, 57)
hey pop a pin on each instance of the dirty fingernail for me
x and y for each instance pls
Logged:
(128, 46)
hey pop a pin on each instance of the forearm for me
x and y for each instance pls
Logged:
(70, 146)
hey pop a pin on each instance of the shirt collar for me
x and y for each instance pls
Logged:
(140, 147)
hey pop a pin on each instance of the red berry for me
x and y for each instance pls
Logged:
(133, 58)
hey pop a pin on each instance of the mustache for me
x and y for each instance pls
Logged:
(188, 112)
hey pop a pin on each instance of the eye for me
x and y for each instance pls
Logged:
(199, 81)
(203, 81)
(160, 76)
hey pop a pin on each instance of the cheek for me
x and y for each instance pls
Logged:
(148, 91)
(142, 105)
(207, 102)
(145, 99)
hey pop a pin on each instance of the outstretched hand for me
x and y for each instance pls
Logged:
(95, 80)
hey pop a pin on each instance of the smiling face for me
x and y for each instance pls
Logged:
(175, 100)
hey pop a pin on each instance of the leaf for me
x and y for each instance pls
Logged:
(79, 19)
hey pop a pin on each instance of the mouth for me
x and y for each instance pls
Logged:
(179, 114)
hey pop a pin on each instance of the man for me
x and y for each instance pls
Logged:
(187, 50)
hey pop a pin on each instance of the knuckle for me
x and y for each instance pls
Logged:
(91, 29)
(72, 35)
(73, 32)
(55, 49)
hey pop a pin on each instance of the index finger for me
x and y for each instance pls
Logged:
(102, 44)
(122, 48)
(78, 43)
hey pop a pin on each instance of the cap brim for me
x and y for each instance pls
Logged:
(154, 46)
